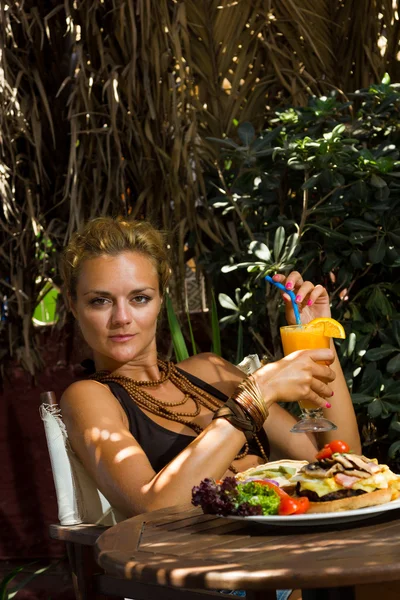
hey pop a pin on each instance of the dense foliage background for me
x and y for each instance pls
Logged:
(319, 191)
(108, 106)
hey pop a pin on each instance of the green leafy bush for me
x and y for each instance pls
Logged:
(318, 190)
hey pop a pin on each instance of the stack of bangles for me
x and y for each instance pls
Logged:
(245, 409)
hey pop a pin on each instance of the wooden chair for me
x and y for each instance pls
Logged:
(84, 514)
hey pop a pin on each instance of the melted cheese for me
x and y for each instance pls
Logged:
(319, 486)
(382, 480)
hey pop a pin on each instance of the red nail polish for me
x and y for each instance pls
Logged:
(309, 303)
(333, 393)
(289, 285)
(328, 405)
(299, 298)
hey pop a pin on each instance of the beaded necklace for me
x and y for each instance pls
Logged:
(169, 372)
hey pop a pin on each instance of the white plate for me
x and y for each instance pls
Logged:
(342, 516)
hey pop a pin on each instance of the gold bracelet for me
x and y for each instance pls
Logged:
(249, 397)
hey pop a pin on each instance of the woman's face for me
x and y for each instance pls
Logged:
(117, 305)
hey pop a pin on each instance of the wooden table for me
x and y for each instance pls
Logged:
(182, 548)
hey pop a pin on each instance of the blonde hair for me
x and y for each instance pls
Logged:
(109, 236)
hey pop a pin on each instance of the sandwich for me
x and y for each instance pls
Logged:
(345, 481)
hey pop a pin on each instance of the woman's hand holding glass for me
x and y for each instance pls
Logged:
(298, 377)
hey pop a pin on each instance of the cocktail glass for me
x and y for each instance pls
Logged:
(297, 337)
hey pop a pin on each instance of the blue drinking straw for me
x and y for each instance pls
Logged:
(292, 297)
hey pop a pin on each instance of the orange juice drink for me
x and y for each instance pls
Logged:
(298, 337)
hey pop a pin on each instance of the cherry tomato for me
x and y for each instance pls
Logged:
(288, 506)
(339, 446)
(331, 448)
(303, 504)
(326, 452)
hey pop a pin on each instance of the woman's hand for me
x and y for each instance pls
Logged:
(298, 377)
(312, 300)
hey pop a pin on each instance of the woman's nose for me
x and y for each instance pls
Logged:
(121, 314)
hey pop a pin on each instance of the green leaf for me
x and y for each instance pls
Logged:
(229, 319)
(291, 246)
(371, 379)
(178, 341)
(6, 580)
(375, 409)
(392, 390)
(27, 580)
(377, 252)
(351, 344)
(396, 331)
(361, 398)
(279, 241)
(224, 142)
(360, 189)
(215, 330)
(395, 426)
(192, 340)
(228, 268)
(393, 365)
(246, 133)
(359, 224)
(227, 302)
(377, 182)
(378, 303)
(338, 130)
(386, 79)
(359, 237)
(394, 449)
(311, 182)
(381, 352)
(357, 259)
(260, 250)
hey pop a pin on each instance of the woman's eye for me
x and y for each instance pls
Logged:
(99, 301)
(141, 299)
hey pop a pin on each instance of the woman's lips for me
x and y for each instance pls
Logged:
(121, 338)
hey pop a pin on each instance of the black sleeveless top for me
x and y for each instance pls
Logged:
(160, 444)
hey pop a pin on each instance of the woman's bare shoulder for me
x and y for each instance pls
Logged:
(214, 370)
(90, 399)
(84, 388)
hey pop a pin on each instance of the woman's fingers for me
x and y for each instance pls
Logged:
(303, 293)
(316, 399)
(321, 389)
(315, 293)
(324, 373)
(306, 292)
(320, 355)
(292, 282)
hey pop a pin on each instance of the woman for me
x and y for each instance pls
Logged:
(129, 424)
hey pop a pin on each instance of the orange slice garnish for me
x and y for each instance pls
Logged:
(327, 326)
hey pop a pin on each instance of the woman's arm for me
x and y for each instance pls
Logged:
(341, 412)
(226, 377)
(100, 437)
